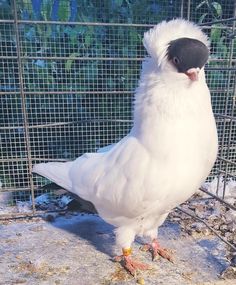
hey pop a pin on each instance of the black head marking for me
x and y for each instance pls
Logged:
(186, 53)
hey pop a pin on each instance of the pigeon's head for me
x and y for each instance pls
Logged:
(188, 56)
(179, 46)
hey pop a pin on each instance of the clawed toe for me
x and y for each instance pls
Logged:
(163, 252)
(131, 265)
(156, 251)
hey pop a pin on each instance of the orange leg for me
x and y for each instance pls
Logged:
(157, 250)
(129, 263)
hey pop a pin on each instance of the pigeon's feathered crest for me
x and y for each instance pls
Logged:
(156, 40)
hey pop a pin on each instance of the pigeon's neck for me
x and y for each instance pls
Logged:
(165, 96)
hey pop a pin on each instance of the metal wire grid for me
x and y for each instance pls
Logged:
(118, 11)
(207, 11)
(64, 93)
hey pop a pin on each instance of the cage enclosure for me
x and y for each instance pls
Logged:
(68, 74)
(69, 70)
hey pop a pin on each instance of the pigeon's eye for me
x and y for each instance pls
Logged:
(175, 60)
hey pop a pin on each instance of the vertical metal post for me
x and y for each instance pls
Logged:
(189, 9)
(182, 9)
(25, 118)
(226, 111)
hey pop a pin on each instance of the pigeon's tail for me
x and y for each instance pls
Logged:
(57, 172)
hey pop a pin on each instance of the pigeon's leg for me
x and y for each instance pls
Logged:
(124, 238)
(154, 247)
(156, 250)
(129, 263)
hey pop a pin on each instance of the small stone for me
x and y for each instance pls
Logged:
(176, 219)
(206, 232)
(223, 227)
(198, 227)
(141, 281)
(233, 261)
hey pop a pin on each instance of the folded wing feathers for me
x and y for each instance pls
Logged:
(57, 172)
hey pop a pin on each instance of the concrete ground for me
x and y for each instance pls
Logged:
(78, 249)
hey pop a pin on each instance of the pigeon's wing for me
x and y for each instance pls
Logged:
(57, 172)
(114, 180)
(118, 181)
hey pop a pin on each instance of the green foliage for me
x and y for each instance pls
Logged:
(217, 9)
(214, 9)
(46, 9)
(70, 61)
(64, 10)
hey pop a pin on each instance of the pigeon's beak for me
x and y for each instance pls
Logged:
(192, 73)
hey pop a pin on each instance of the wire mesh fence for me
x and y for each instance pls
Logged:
(68, 74)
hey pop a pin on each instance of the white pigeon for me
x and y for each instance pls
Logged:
(168, 153)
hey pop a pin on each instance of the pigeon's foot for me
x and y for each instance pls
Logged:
(156, 250)
(131, 265)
